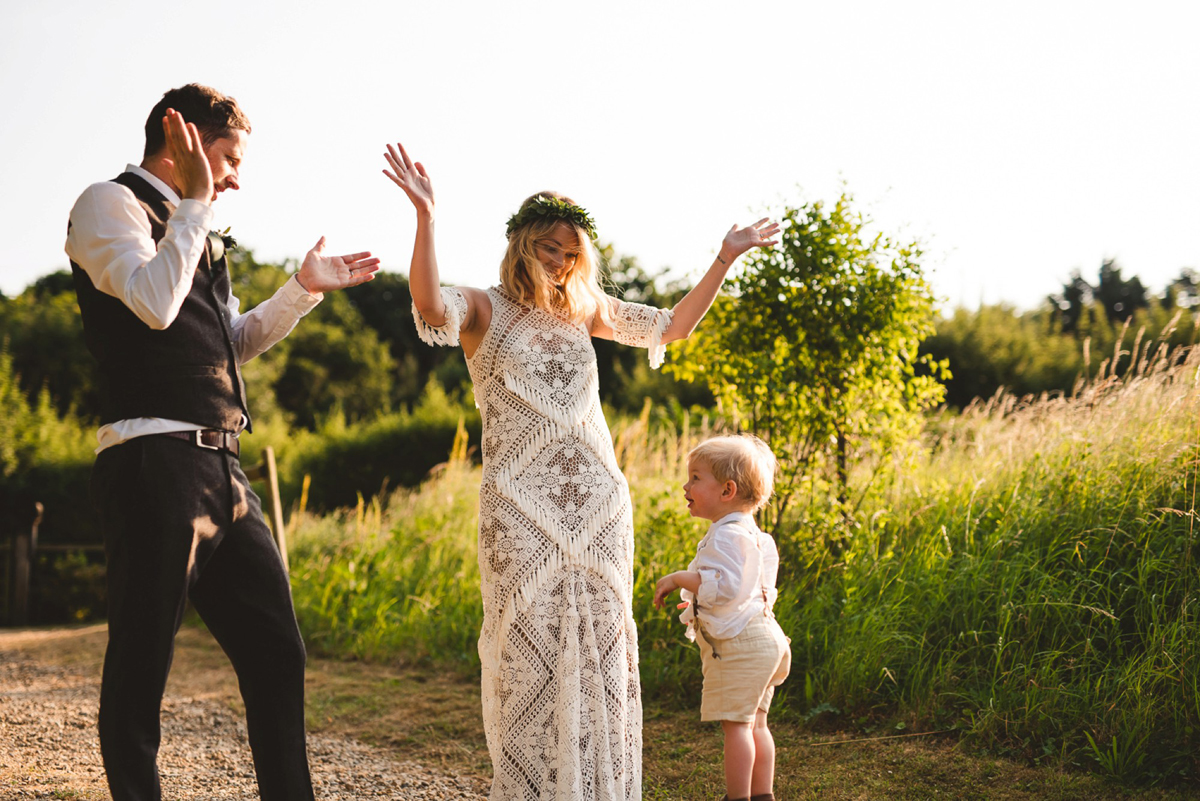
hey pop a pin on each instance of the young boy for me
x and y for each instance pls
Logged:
(729, 590)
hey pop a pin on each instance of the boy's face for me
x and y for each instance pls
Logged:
(707, 497)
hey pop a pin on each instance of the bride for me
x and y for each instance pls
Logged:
(561, 695)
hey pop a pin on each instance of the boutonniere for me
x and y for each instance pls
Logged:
(220, 242)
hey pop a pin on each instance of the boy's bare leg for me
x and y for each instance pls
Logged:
(739, 758)
(763, 776)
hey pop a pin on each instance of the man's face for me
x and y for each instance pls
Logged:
(225, 158)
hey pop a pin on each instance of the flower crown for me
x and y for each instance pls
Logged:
(552, 208)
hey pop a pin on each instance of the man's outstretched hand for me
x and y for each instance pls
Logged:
(321, 273)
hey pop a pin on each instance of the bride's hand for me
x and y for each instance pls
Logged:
(410, 177)
(759, 235)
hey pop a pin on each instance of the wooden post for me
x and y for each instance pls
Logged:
(276, 505)
(23, 549)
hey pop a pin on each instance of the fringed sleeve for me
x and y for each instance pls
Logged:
(642, 326)
(447, 332)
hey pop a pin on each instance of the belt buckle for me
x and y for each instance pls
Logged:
(199, 442)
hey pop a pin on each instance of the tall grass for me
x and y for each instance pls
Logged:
(1033, 579)
(1028, 579)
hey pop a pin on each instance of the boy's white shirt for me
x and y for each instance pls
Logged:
(736, 561)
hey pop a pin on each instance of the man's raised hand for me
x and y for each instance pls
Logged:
(321, 273)
(188, 162)
(410, 177)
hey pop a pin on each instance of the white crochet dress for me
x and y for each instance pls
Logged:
(561, 696)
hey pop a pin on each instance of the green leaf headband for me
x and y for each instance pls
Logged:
(542, 207)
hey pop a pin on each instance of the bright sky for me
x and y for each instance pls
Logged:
(1018, 140)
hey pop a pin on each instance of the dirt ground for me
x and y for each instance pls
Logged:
(390, 732)
(49, 694)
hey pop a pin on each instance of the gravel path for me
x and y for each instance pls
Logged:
(49, 749)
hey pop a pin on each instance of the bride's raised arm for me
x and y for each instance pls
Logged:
(690, 310)
(644, 326)
(443, 312)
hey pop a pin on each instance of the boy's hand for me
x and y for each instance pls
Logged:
(665, 586)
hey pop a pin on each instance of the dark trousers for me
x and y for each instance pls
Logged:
(181, 522)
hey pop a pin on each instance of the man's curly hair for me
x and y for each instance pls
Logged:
(214, 114)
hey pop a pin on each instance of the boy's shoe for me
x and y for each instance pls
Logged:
(763, 797)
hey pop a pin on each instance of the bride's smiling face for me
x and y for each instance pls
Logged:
(558, 251)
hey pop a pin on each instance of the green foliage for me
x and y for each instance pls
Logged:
(1029, 583)
(997, 346)
(626, 380)
(332, 361)
(408, 593)
(552, 208)
(44, 333)
(345, 463)
(68, 586)
(1024, 353)
(46, 458)
(33, 434)
(1118, 297)
(817, 349)
(386, 306)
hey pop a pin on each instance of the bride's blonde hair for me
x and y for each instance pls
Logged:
(522, 275)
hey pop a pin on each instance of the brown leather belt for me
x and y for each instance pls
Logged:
(209, 438)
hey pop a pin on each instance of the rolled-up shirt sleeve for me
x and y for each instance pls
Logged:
(110, 239)
(722, 564)
(270, 321)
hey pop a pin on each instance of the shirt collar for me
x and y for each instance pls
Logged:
(744, 518)
(154, 181)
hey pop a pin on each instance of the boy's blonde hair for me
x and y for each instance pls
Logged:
(745, 460)
(522, 276)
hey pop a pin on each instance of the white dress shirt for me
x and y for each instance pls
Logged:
(110, 239)
(738, 565)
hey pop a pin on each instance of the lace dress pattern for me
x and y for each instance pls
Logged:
(561, 695)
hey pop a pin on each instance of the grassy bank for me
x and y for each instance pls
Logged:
(1027, 582)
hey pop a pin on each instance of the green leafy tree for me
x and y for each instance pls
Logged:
(45, 337)
(998, 346)
(1120, 297)
(1183, 292)
(626, 380)
(816, 351)
(333, 360)
(1070, 305)
(386, 306)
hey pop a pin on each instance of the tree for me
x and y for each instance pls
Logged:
(1069, 307)
(1183, 292)
(45, 337)
(1120, 297)
(332, 360)
(816, 349)
(626, 379)
(386, 306)
(997, 346)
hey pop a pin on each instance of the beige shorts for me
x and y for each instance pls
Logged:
(742, 672)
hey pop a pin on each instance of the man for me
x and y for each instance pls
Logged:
(178, 516)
